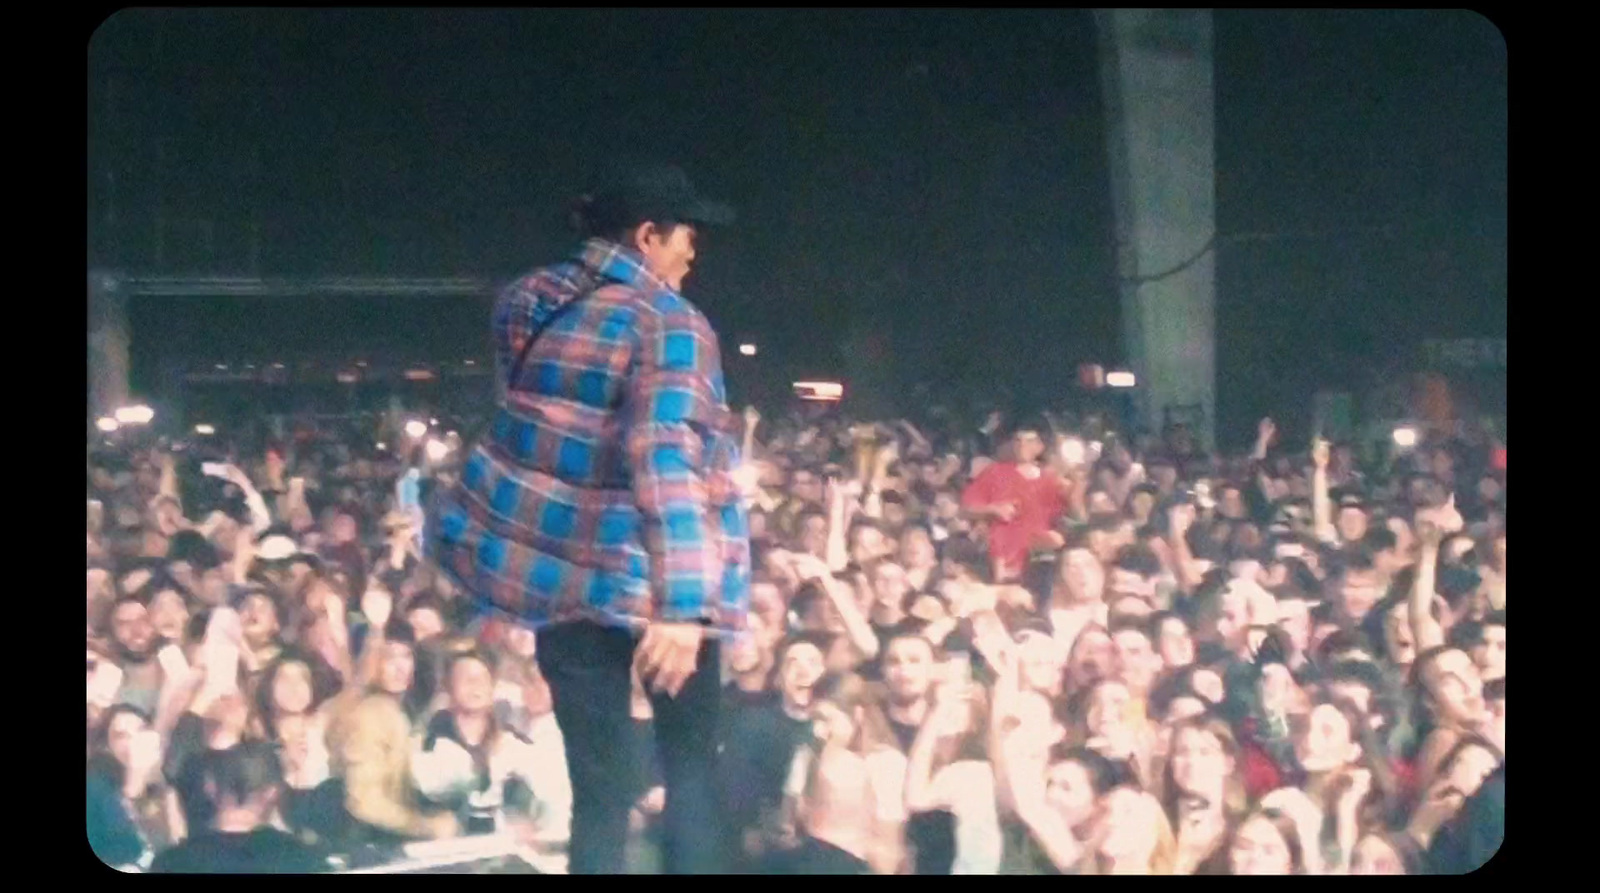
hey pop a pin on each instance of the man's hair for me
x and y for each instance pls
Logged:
(1076, 538)
(190, 547)
(1341, 641)
(1104, 774)
(808, 596)
(1360, 672)
(967, 554)
(1356, 559)
(247, 769)
(1379, 538)
(1032, 424)
(910, 628)
(1301, 584)
(1139, 559)
(1104, 522)
(823, 642)
(425, 600)
(1495, 689)
(482, 657)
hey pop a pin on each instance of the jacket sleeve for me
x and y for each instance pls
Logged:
(373, 794)
(688, 509)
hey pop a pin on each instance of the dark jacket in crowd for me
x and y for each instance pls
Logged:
(1477, 833)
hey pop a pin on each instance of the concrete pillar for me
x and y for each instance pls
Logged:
(1156, 68)
(108, 345)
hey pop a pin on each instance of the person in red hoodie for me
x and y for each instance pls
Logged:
(1021, 499)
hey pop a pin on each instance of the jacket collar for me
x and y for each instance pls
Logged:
(615, 262)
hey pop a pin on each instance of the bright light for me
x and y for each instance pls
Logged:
(1072, 451)
(417, 374)
(204, 430)
(1121, 379)
(433, 421)
(222, 367)
(416, 428)
(472, 362)
(135, 415)
(820, 391)
(347, 377)
(748, 350)
(1405, 437)
(382, 447)
(437, 450)
(107, 425)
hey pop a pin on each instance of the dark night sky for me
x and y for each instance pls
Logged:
(934, 178)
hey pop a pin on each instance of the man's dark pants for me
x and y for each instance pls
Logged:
(589, 667)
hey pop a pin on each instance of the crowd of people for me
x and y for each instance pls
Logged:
(1024, 648)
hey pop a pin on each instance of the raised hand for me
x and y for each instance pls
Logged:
(1181, 517)
(377, 605)
(1428, 532)
(1320, 453)
(1266, 431)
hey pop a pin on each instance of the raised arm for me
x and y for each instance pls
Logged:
(1428, 632)
(1180, 520)
(843, 598)
(840, 496)
(1321, 505)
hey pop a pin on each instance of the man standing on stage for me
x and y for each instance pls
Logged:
(601, 508)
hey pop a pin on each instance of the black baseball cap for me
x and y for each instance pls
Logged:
(626, 191)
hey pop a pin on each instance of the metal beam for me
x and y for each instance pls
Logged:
(227, 286)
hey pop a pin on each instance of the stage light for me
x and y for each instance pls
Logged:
(204, 430)
(819, 391)
(1121, 379)
(1405, 437)
(748, 350)
(135, 415)
(107, 425)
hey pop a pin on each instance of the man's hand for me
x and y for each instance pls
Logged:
(1429, 533)
(810, 568)
(1006, 512)
(1181, 517)
(1446, 516)
(747, 477)
(752, 417)
(951, 713)
(1320, 452)
(376, 605)
(668, 655)
(1266, 432)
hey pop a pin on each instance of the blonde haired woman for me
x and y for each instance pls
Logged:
(1136, 838)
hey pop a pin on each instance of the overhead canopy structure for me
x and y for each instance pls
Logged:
(110, 337)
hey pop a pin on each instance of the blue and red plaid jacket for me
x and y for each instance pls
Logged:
(602, 490)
